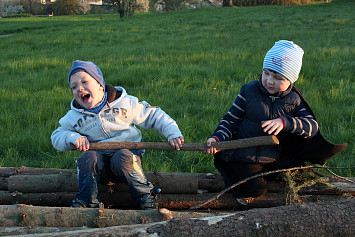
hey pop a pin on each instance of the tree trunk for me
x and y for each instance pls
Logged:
(9, 171)
(119, 200)
(336, 188)
(168, 182)
(316, 219)
(56, 187)
(24, 215)
(59, 199)
(43, 183)
(325, 219)
(67, 182)
(227, 3)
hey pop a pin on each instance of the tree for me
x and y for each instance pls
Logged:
(227, 3)
(71, 7)
(33, 7)
(11, 7)
(123, 7)
(172, 5)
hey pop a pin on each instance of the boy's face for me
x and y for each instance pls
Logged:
(274, 82)
(87, 91)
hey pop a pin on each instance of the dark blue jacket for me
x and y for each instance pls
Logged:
(254, 105)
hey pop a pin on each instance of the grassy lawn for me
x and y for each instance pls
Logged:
(190, 63)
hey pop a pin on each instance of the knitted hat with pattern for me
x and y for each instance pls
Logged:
(285, 57)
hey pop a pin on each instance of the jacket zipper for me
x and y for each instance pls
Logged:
(101, 125)
(273, 98)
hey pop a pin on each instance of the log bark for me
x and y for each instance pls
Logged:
(316, 219)
(25, 215)
(119, 200)
(59, 199)
(56, 187)
(40, 230)
(174, 182)
(3, 183)
(58, 180)
(325, 219)
(336, 188)
(43, 183)
(214, 183)
(188, 183)
(234, 144)
(168, 182)
(9, 171)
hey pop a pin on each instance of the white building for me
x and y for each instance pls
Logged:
(92, 2)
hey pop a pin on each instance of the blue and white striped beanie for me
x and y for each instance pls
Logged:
(285, 57)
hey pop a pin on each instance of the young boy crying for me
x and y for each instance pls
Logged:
(103, 113)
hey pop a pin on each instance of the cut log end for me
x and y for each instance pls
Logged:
(275, 140)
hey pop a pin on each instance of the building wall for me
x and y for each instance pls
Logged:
(144, 5)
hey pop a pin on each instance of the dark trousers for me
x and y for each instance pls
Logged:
(234, 171)
(100, 167)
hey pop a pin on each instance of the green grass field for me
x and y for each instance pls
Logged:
(190, 63)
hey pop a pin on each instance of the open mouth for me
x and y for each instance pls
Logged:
(85, 98)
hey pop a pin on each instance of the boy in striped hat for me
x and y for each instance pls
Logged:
(269, 106)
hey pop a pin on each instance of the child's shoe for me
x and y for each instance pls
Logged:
(78, 204)
(150, 202)
(245, 201)
(81, 204)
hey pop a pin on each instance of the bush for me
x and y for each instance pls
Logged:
(12, 8)
(274, 2)
(33, 7)
(18, 7)
(71, 7)
(18, 15)
(97, 9)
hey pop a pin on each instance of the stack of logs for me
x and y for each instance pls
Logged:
(57, 188)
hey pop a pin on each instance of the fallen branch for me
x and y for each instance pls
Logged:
(260, 175)
(233, 144)
(338, 176)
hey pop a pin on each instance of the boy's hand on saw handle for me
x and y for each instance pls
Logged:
(82, 144)
(211, 149)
